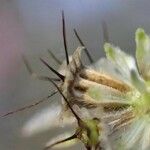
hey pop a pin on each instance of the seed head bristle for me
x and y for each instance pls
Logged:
(64, 37)
(53, 70)
(28, 106)
(82, 44)
(54, 57)
(105, 32)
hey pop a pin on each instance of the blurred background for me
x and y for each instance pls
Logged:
(30, 27)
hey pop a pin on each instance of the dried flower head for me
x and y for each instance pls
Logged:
(117, 89)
